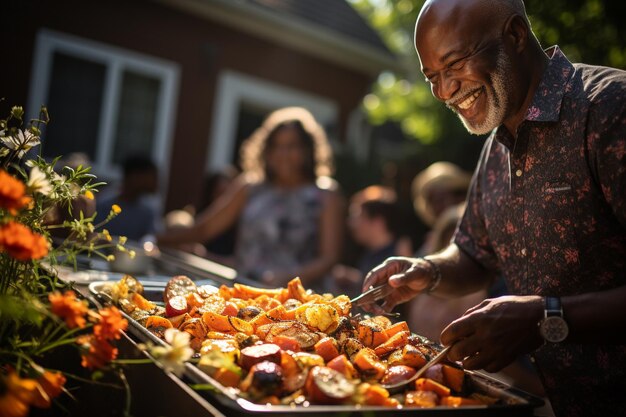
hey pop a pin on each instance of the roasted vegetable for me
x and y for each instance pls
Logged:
(179, 285)
(264, 378)
(289, 345)
(175, 306)
(327, 348)
(369, 364)
(397, 374)
(327, 386)
(267, 352)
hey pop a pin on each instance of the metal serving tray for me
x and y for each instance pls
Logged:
(514, 402)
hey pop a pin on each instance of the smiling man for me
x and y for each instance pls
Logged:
(546, 207)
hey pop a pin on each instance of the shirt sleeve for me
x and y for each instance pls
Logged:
(471, 235)
(607, 134)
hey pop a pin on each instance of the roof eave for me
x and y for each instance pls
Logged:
(299, 35)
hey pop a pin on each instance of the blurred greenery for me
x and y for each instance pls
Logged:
(588, 31)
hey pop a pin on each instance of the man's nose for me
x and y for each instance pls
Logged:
(446, 88)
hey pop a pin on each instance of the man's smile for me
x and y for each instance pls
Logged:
(467, 102)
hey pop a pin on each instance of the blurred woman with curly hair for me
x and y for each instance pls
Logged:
(289, 210)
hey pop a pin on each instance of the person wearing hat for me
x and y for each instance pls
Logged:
(435, 189)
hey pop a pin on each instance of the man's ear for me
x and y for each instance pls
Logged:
(516, 32)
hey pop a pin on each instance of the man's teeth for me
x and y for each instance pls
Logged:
(465, 104)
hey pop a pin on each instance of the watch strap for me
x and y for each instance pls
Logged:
(553, 307)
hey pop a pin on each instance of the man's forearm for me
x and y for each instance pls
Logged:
(460, 274)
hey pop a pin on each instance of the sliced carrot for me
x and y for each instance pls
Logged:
(370, 333)
(194, 299)
(154, 322)
(427, 384)
(226, 324)
(272, 316)
(247, 292)
(396, 341)
(459, 401)
(230, 309)
(327, 348)
(398, 327)
(296, 290)
(377, 395)
(454, 377)
(142, 303)
(266, 303)
(227, 378)
(409, 355)
(289, 364)
(225, 292)
(369, 364)
(286, 343)
(343, 365)
(180, 319)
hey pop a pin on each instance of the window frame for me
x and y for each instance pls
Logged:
(116, 60)
(234, 89)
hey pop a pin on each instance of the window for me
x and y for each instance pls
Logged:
(104, 101)
(242, 102)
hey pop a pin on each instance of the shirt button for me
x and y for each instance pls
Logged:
(518, 172)
(523, 251)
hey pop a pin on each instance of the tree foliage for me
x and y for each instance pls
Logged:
(587, 31)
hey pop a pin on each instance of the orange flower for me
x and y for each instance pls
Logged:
(67, 307)
(111, 324)
(19, 393)
(97, 353)
(12, 193)
(21, 243)
(50, 386)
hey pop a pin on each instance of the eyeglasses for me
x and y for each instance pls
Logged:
(456, 66)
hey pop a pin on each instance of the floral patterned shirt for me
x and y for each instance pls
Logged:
(548, 211)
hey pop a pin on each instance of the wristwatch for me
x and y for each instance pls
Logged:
(553, 327)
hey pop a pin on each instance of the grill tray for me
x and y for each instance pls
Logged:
(514, 402)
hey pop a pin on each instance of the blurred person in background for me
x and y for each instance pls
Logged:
(221, 248)
(437, 188)
(439, 193)
(138, 218)
(429, 314)
(373, 222)
(546, 207)
(289, 210)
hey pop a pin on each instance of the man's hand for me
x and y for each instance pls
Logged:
(492, 334)
(409, 277)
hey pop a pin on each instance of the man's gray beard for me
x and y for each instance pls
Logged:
(497, 98)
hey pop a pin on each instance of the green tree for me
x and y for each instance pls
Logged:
(587, 30)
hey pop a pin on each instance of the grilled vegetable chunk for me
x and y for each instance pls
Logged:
(327, 386)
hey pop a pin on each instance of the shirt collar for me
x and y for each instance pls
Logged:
(546, 104)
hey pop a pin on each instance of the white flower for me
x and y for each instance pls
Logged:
(38, 181)
(174, 356)
(21, 142)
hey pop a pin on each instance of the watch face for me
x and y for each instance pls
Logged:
(554, 329)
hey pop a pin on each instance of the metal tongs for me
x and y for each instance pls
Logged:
(372, 295)
(393, 388)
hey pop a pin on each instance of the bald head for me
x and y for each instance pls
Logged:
(479, 56)
(483, 15)
(497, 9)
